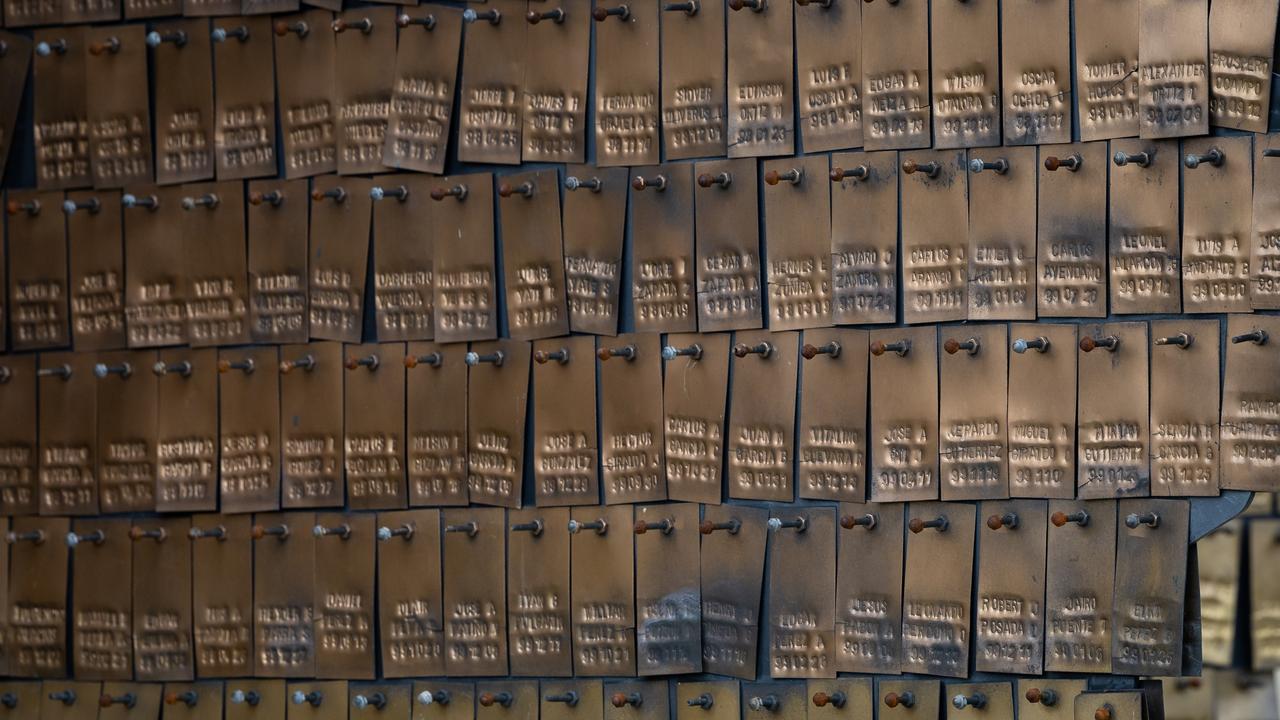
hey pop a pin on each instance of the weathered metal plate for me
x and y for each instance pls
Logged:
(155, 303)
(936, 592)
(762, 425)
(802, 603)
(1113, 443)
(1173, 85)
(797, 233)
(311, 429)
(37, 264)
(410, 603)
(632, 455)
(436, 425)
(1264, 600)
(162, 619)
(662, 260)
(305, 72)
(935, 212)
(1240, 62)
(692, 699)
(101, 604)
(120, 119)
(1002, 236)
(640, 700)
(693, 406)
(538, 592)
(222, 595)
(571, 700)
(869, 589)
(1264, 248)
(492, 87)
(1036, 72)
(475, 599)
(497, 400)
(626, 86)
(215, 282)
(533, 255)
(864, 237)
(1251, 388)
(19, 489)
(1062, 693)
(668, 592)
(1151, 580)
(68, 435)
(778, 700)
(362, 87)
(973, 412)
(732, 577)
(338, 258)
(904, 415)
(603, 591)
(1184, 425)
(594, 225)
(1071, 231)
(728, 247)
(244, 109)
(95, 254)
(833, 425)
(183, 86)
(565, 442)
(277, 233)
(910, 699)
(373, 426)
(60, 115)
(997, 700)
(1009, 637)
(964, 48)
(693, 87)
(187, 431)
(449, 701)
(422, 93)
(895, 76)
(127, 408)
(829, 69)
(1144, 247)
(36, 611)
(1216, 221)
(556, 64)
(1106, 55)
(1042, 412)
(465, 287)
(345, 630)
(249, 430)
(83, 703)
(284, 578)
(1079, 586)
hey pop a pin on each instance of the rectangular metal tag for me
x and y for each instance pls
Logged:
(222, 594)
(668, 593)
(333, 696)
(708, 700)
(127, 431)
(278, 216)
(216, 281)
(426, 73)
(249, 430)
(284, 581)
(361, 85)
(402, 255)
(206, 696)
(1216, 219)
(339, 256)
(1063, 691)
(938, 580)
(146, 701)
(155, 307)
(864, 237)
(626, 90)
(1011, 586)
(1151, 579)
(82, 707)
(38, 309)
(1264, 246)
(632, 454)
(973, 412)
(1079, 586)
(762, 118)
(935, 211)
(728, 247)
(1264, 599)
(410, 604)
(18, 449)
(1250, 393)
(1143, 242)
(1173, 85)
(538, 592)
(833, 426)
(762, 426)
(187, 430)
(311, 425)
(1042, 410)
(1106, 53)
(895, 76)
(602, 589)
(1112, 453)
(965, 50)
(693, 89)
(373, 426)
(533, 255)
(732, 559)
(693, 406)
(436, 424)
(36, 615)
(797, 232)
(565, 443)
(645, 700)
(13, 82)
(244, 110)
(492, 90)
(68, 434)
(1071, 227)
(556, 64)
(1184, 425)
(183, 85)
(507, 700)
(1219, 559)
(1036, 72)
(497, 402)
(449, 701)
(924, 694)
(344, 625)
(475, 607)
(802, 613)
(869, 588)
(829, 68)
(1240, 61)
(662, 280)
(904, 415)
(588, 697)
(465, 287)
(305, 68)
(162, 599)
(1002, 235)
(95, 251)
(60, 110)
(118, 112)
(595, 220)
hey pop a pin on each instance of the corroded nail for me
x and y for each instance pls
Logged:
(857, 173)
(533, 527)
(836, 699)
(1214, 157)
(555, 15)
(298, 27)
(57, 47)
(31, 207)
(66, 697)
(470, 528)
(489, 699)
(399, 192)
(1071, 162)
(542, 357)
(1141, 159)
(428, 22)
(626, 352)
(1103, 713)
(273, 198)
(457, 191)
(810, 352)
(568, 697)
(599, 525)
(35, 537)
(720, 180)
(60, 371)
(156, 39)
(753, 5)
(364, 25)
(704, 701)
(657, 182)
(187, 697)
(217, 532)
(97, 537)
(126, 699)
(793, 176)
(474, 358)
(71, 206)
(918, 525)
(906, 699)
(732, 525)
(493, 16)
(621, 700)
(280, 532)
(799, 523)
(337, 194)
(1110, 343)
(1039, 344)
(306, 362)
(368, 361)
(670, 352)
(768, 703)
(1047, 697)
(594, 184)
(246, 366)
(901, 347)
(1007, 520)
(109, 46)
(969, 345)
(208, 200)
(1257, 337)
(1133, 520)
(220, 34)
(975, 700)
(141, 533)
(129, 200)
(404, 531)
(866, 520)
(102, 370)
(930, 169)
(763, 349)
(622, 12)
(524, 189)
(666, 525)
(1181, 340)
(342, 531)
(999, 166)
(434, 359)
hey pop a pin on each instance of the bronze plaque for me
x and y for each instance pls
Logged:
(60, 115)
(305, 69)
(797, 232)
(36, 617)
(284, 581)
(1071, 231)
(973, 419)
(119, 119)
(24, 695)
(95, 250)
(662, 284)
(631, 439)
(101, 602)
(1106, 56)
(533, 255)
(244, 110)
(402, 253)
(183, 64)
(692, 700)
(693, 89)
(192, 701)
(373, 426)
(1264, 598)
(126, 701)
(68, 434)
(668, 592)
(1036, 72)
(216, 283)
(565, 443)
(345, 631)
(1151, 579)
(864, 237)
(410, 604)
(465, 281)
(693, 406)
(1184, 425)
(317, 700)
(1042, 410)
(278, 215)
(1264, 248)
(538, 592)
(311, 424)
(1009, 635)
(762, 424)
(554, 93)
(492, 91)
(443, 701)
(162, 621)
(571, 699)
(1079, 586)
(996, 700)
(262, 7)
(127, 431)
(14, 64)
(833, 424)
(802, 637)
(829, 68)
(436, 424)
(339, 256)
(475, 613)
(761, 95)
(780, 700)
(626, 84)
(497, 401)
(37, 271)
(869, 589)
(602, 588)
(1112, 452)
(935, 212)
(155, 307)
(186, 430)
(732, 576)
(910, 699)
(1240, 63)
(507, 700)
(1219, 555)
(1251, 389)
(364, 47)
(69, 700)
(904, 415)
(895, 75)
(1173, 85)
(18, 449)
(249, 430)
(965, 50)
(426, 72)
(935, 595)
(595, 219)
(1216, 217)
(378, 700)
(222, 594)
(728, 247)
(1054, 699)
(838, 698)
(1002, 234)
(636, 700)
(1143, 240)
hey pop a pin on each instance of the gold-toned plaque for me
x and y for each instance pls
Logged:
(1071, 231)
(162, 620)
(278, 213)
(244, 110)
(538, 592)
(973, 413)
(595, 219)
(1151, 579)
(668, 594)
(909, 699)
(662, 279)
(935, 596)
(797, 231)
(18, 442)
(36, 625)
(1106, 55)
(373, 426)
(1173, 84)
(728, 252)
(222, 594)
(565, 443)
(60, 114)
(556, 64)
(935, 214)
(964, 46)
(1042, 410)
(215, 286)
(632, 454)
(119, 118)
(1079, 586)
(24, 14)
(249, 430)
(345, 631)
(603, 591)
(187, 430)
(1009, 635)
(127, 425)
(426, 75)
(155, 303)
(410, 594)
(38, 309)
(1002, 234)
(68, 434)
(833, 426)
(1219, 555)
(313, 700)
(571, 699)
(533, 255)
(492, 90)
(1251, 388)
(1240, 63)
(305, 53)
(1113, 443)
(497, 400)
(311, 424)
(864, 237)
(733, 548)
(1047, 699)
(338, 256)
(436, 424)
(364, 47)
(895, 76)
(761, 94)
(182, 59)
(465, 279)
(1184, 428)
(990, 699)
(95, 251)
(694, 99)
(802, 639)
(904, 415)
(762, 425)
(693, 406)
(829, 68)
(284, 579)
(1036, 72)
(1144, 246)
(1264, 600)
(475, 598)
(443, 701)
(636, 700)
(626, 83)
(1216, 216)
(869, 588)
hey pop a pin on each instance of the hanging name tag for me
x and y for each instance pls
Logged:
(728, 247)
(797, 228)
(1251, 389)
(1079, 586)
(410, 604)
(1264, 592)
(339, 257)
(284, 581)
(1011, 582)
(183, 66)
(364, 47)
(564, 423)
(1151, 579)
(492, 94)
(533, 255)
(603, 591)
(935, 211)
(668, 596)
(1106, 46)
(119, 118)
(693, 88)
(249, 430)
(311, 425)
(965, 51)
(1036, 72)
(733, 553)
(935, 596)
(497, 400)
(904, 415)
(37, 607)
(18, 449)
(344, 624)
(595, 219)
(1264, 248)
(305, 59)
(402, 255)
(1218, 563)
(1240, 63)
(244, 110)
(830, 75)
(626, 95)
(187, 430)
(662, 282)
(1071, 224)
(101, 604)
(95, 250)
(475, 611)
(436, 424)
(127, 408)
(14, 64)
(802, 640)
(895, 76)
(1143, 241)
(162, 622)
(1042, 410)
(465, 281)
(631, 437)
(973, 413)
(864, 237)
(60, 109)
(222, 594)
(538, 592)
(155, 306)
(422, 92)
(373, 426)
(556, 65)
(693, 405)
(216, 282)
(68, 434)
(761, 95)
(38, 311)
(762, 424)
(1002, 234)
(1216, 217)
(1112, 420)
(278, 261)
(1173, 86)
(833, 427)
(1184, 426)
(869, 589)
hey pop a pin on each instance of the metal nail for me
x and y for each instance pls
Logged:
(1141, 159)
(140, 533)
(999, 166)
(277, 531)
(66, 697)
(1071, 162)
(470, 528)
(218, 532)
(622, 12)
(593, 184)
(901, 347)
(434, 359)
(836, 699)
(666, 525)
(799, 523)
(866, 520)
(342, 531)
(704, 701)
(45, 49)
(1181, 340)
(1214, 157)
(375, 700)
(97, 537)
(568, 697)
(368, 361)
(976, 700)
(187, 697)
(306, 362)
(109, 46)
(793, 176)
(1257, 337)
(1047, 697)
(298, 27)
(555, 15)
(626, 352)
(769, 703)
(721, 180)
(688, 7)
(246, 697)
(732, 525)
(542, 357)
(313, 698)
(1150, 519)
(809, 352)
(1039, 344)
(670, 352)
(474, 358)
(1110, 343)
(824, 4)
(906, 699)
(1007, 520)
(35, 537)
(621, 700)
(273, 198)
(918, 525)
(457, 191)
(102, 370)
(524, 189)
(127, 699)
(336, 194)
(246, 366)
(1271, 152)
(404, 531)
(657, 182)
(763, 349)
(163, 368)
(489, 699)
(399, 192)
(439, 697)
(534, 527)
(857, 173)
(61, 371)
(969, 345)
(493, 16)
(428, 22)
(149, 202)
(930, 169)
(9, 700)
(156, 39)
(240, 32)
(601, 526)
(754, 5)
(30, 207)
(364, 25)
(93, 205)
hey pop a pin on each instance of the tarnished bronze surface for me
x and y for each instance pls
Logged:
(651, 696)
(127, 425)
(762, 424)
(25, 695)
(864, 237)
(904, 415)
(373, 426)
(395, 700)
(249, 430)
(1219, 555)
(362, 86)
(839, 698)
(13, 82)
(24, 14)
(693, 405)
(402, 257)
(1264, 598)
(829, 68)
(68, 435)
(426, 73)
(1079, 586)
(892, 699)
(338, 257)
(996, 700)
(935, 213)
(895, 76)
(1062, 692)
(662, 260)
(60, 114)
(222, 594)
(18, 448)
(183, 89)
(95, 254)
(1002, 235)
(1240, 60)
(492, 90)
(732, 577)
(37, 264)
(779, 700)
(1113, 443)
(1071, 228)
(603, 590)
(244, 109)
(1173, 82)
(973, 412)
(162, 620)
(869, 589)
(155, 283)
(668, 593)
(84, 706)
(626, 86)
(632, 456)
(565, 442)
(305, 76)
(1036, 72)
(436, 425)
(1184, 428)
(146, 701)
(410, 594)
(1115, 705)
(538, 592)
(833, 426)
(723, 696)
(694, 101)
(311, 424)
(964, 47)
(1250, 390)
(345, 631)
(460, 703)
(1264, 248)
(797, 232)
(213, 250)
(475, 598)
(332, 697)
(1215, 224)
(801, 602)
(1151, 581)
(937, 582)
(465, 277)
(207, 698)
(1106, 56)
(1042, 412)
(187, 430)
(594, 225)
(278, 261)
(497, 400)
(1143, 241)
(533, 255)
(284, 581)
(587, 696)
(261, 7)
(728, 247)
(1009, 636)
(119, 119)
(556, 64)
(36, 611)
